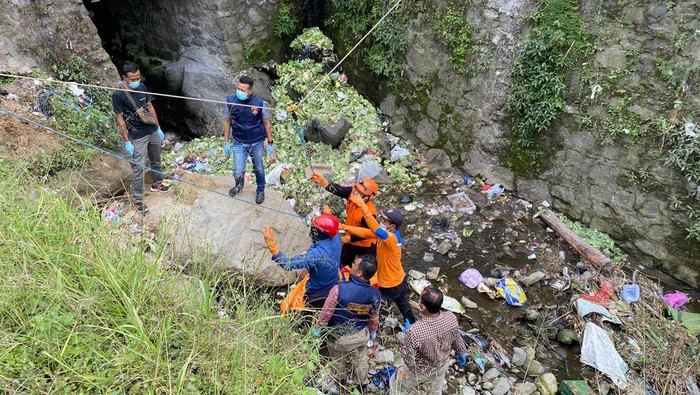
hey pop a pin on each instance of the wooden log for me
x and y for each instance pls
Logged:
(592, 255)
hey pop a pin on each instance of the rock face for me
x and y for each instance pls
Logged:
(228, 229)
(41, 34)
(195, 48)
(621, 188)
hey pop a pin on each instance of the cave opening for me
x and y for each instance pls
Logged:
(123, 27)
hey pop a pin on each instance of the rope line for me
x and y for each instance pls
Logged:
(131, 162)
(348, 54)
(123, 90)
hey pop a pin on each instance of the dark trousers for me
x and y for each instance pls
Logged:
(349, 252)
(398, 294)
(316, 301)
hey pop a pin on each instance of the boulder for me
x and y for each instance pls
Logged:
(491, 374)
(103, 176)
(438, 159)
(534, 368)
(229, 231)
(547, 384)
(524, 389)
(384, 357)
(533, 278)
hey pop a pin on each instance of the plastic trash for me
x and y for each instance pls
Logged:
(598, 351)
(462, 203)
(508, 289)
(398, 152)
(495, 190)
(369, 169)
(586, 307)
(428, 257)
(482, 342)
(281, 115)
(676, 299)
(480, 361)
(471, 278)
(451, 304)
(602, 296)
(690, 129)
(688, 320)
(418, 285)
(484, 289)
(382, 378)
(274, 176)
(630, 293)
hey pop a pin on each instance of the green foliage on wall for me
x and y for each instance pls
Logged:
(455, 33)
(287, 21)
(540, 79)
(384, 51)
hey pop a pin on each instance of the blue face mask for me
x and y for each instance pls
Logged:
(134, 85)
(381, 225)
(241, 95)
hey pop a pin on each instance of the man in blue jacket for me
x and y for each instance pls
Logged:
(352, 314)
(322, 260)
(248, 121)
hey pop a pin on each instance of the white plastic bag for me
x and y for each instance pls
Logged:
(598, 351)
(273, 177)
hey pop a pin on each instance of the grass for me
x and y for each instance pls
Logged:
(89, 309)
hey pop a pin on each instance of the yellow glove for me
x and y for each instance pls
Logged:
(270, 241)
(320, 180)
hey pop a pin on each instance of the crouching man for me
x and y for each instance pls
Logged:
(351, 312)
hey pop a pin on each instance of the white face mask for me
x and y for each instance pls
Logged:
(381, 225)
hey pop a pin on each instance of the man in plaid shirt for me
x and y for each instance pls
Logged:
(426, 348)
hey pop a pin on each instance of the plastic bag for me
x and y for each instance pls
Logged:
(598, 351)
(471, 278)
(675, 299)
(398, 152)
(369, 169)
(508, 289)
(273, 177)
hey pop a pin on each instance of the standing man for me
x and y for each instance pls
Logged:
(367, 189)
(390, 274)
(248, 123)
(321, 259)
(352, 314)
(426, 348)
(138, 125)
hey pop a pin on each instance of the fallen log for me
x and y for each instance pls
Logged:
(592, 255)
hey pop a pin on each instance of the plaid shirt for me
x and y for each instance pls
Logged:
(428, 342)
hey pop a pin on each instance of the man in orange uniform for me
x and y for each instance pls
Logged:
(365, 189)
(390, 274)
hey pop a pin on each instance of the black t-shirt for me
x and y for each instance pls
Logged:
(121, 103)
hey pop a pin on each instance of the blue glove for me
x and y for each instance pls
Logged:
(406, 326)
(161, 134)
(270, 149)
(129, 148)
(461, 359)
(373, 336)
(315, 332)
(227, 148)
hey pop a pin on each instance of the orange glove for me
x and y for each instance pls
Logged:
(270, 241)
(357, 199)
(345, 239)
(320, 180)
(342, 226)
(327, 209)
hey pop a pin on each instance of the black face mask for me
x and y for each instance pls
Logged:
(317, 234)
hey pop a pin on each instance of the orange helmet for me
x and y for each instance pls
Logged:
(367, 187)
(327, 223)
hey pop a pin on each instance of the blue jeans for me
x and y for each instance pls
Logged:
(241, 151)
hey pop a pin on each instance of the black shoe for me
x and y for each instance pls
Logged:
(141, 208)
(159, 187)
(234, 191)
(260, 197)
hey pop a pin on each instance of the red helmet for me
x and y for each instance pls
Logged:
(327, 223)
(367, 187)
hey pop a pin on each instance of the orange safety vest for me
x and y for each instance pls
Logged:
(355, 217)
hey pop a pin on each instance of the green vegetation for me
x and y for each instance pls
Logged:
(540, 78)
(454, 32)
(85, 309)
(596, 239)
(73, 70)
(287, 21)
(383, 52)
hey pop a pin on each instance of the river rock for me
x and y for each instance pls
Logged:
(491, 374)
(384, 357)
(533, 278)
(501, 386)
(535, 368)
(547, 384)
(519, 357)
(468, 303)
(567, 336)
(487, 385)
(603, 387)
(531, 314)
(467, 390)
(524, 389)
(437, 159)
(471, 378)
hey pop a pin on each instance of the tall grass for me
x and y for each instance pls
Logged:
(83, 310)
